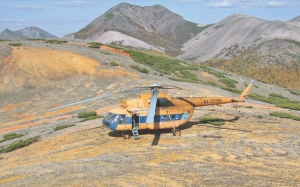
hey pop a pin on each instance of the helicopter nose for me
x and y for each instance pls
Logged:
(112, 126)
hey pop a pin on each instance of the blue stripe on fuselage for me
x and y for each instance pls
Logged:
(157, 118)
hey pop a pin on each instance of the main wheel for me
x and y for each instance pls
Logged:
(176, 132)
(126, 136)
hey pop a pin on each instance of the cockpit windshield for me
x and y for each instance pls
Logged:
(109, 116)
(115, 118)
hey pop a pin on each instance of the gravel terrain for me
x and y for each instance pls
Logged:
(247, 151)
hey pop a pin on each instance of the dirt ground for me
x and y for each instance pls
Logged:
(253, 148)
(246, 151)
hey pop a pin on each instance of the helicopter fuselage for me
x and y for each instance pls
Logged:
(169, 113)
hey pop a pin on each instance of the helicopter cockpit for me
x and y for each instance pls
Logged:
(112, 120)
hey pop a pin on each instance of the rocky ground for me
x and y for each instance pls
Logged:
(253, 148)
(246, 151)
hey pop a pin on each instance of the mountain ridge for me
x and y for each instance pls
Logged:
(245, 31)
(31, 32)
(155, 25)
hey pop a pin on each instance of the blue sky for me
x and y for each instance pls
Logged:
(61, 17)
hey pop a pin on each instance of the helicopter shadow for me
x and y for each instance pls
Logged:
(157, 133)
(206, 124)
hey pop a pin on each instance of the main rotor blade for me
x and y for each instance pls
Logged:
(151, 112)
(82, 101)
(91, 99)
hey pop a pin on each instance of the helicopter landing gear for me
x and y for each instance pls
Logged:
(125, 135)
(176, 132)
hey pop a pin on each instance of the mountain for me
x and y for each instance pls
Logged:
(142, 27)
(10, 35)
(28, 32)
(239, 32)
(34, 32)
(295, 21)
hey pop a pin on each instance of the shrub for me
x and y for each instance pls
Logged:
(36, 39)
(15, 44)
(260, 116)
(87, 114)
(285, 115)
(212, 120)
(113, 63)
(10, 136)
(56, 41)
(95, 44)
(277, 95)
(283, 103)
(19, 144)
(294, 92)
(218, 123)
(104, 52)
(228, 82)
(63, 127)
(143, 70)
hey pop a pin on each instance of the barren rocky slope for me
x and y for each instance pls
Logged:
(243, 32)
(247, 151)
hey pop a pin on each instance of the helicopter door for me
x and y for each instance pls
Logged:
(135, 121)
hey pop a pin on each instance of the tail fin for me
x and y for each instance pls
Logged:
(246, 92)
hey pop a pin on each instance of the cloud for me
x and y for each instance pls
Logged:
(42, 21)
(28, 7)
(234, 4)
(11, 20)
(71, 3)
(275, 4)
(223, 4)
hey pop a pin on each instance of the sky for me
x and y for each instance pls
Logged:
(62, 17)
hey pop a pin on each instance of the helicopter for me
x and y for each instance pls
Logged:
(158, 110)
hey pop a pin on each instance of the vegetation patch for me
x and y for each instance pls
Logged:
(36, 39)
(10, 136)
(164, 65)
(88, 115)
(294, 92)
(228, 82)
(94, 45)
(63, 127)
(15, 44)
(56, 41)
(104, 52)
(278, 96)
(138, 68)
(213, 72)
(280, 69)
(3, 40)
(91, 118)
(19, 144)
(285, 115)
(260, 116)
(211, 120)
(283, 103)
(113, 63)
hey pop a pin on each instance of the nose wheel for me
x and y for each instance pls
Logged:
(126, 135)
(176, 132)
